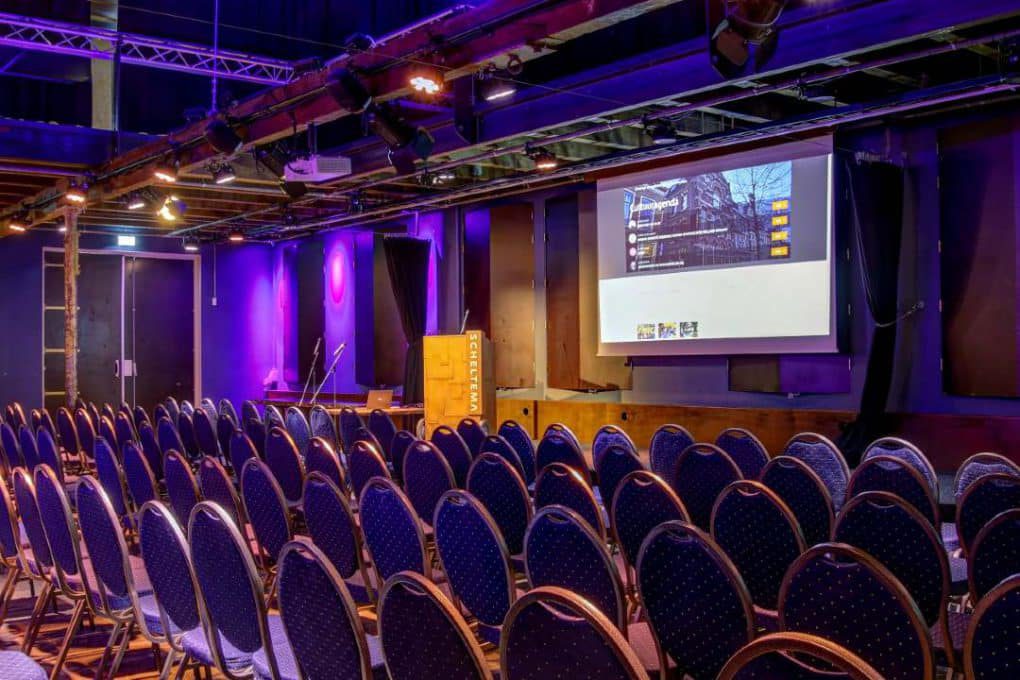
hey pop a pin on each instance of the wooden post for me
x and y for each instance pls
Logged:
(71, 306)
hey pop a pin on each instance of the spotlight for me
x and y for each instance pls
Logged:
(135, 202)
(740, 29)
(191, 245)
(493, 88)
(662, 132)
(18, 222)
(405, 140)
(223, 173)
(62, 228)
(427, 80)
(446, 176)
(544, 160)
(222, 137)
(236, 237)
(165, 173)
(77, 194)
(172, 209)
(347, 90)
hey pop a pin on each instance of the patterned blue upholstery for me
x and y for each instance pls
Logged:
(391, 530)
(151, 448)
(49, 453)
(28, 509)
(427, 476)
(322, 458)
(323, 425)
(471, 431)
(241, 451)
(979, 465)
(186, 432)
(552, 634)
(225, 429)
(226, 408)
(141, 482)
(562, 550)
(140, 415)
(907, 452)
(363, 434)
(167, 562)
(10, 531)
(205, 434)
(93, 414)
(840, 593)
(455, 451)
(556, 447)
(285, 462)
(822, 456)
(382, 428)
(210, 408)
(702, 471)
(398, 449)
(995, 553)
(181, 486)
(796, 656)
(697, 604)
(501, 490)
(273, 418)
(29, 447)
(68, 431)
(668, 442)
(111, 476)
(474, 557)
(423, 636)
(169, 438)
(125, 429)
(745, 449)
(18, 666)
(266, 508)
(320, 617)
(563, 430)
(804, 493)
(107, 550)
(216, 486)
(160, 412)
(521, 441)
(893, 532)
(350, 423)
(249, 411)
(108, 432)
(559, 484)
(256, 431)
(760, 535)
(992, 651)
(642, 502)
(898, 477)
(496, 444)
(59, 527)
(363, 463)
(299, 429)
(609, 435)
(186, 408)
(615, 463)
(11, 447)
(334, 531)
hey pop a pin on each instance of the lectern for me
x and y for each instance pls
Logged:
(459, 379)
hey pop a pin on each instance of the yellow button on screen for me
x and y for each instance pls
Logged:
(783, 204)
(780, 251)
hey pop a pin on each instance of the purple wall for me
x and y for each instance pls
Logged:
(340, 316)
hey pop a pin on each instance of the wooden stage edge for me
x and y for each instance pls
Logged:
(947, 439)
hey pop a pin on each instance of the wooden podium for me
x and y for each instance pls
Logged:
(459, 379)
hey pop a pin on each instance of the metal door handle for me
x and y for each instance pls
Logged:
(116, 368)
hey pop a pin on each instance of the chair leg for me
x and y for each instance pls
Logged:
(110, 642)
(125, 641)
(35, 620)
(7, 593)
(168, 664)
(65, 646)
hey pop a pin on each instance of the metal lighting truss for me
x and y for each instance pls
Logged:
(57, 37)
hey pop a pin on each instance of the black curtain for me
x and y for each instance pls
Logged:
(875, 207)
(408, 262)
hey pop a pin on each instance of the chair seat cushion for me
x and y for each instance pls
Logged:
(958, 575)
(194, 643)
(958, 624)
(18, 666)
(285, 661)
(140, 576)
(359, 589)
(153, 621)
(640, 637)
(950, 537)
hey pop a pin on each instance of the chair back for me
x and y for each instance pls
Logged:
(189, 438)
(474, 557)
(498, 487)
(108, 432)
(186, 408)
(181, 485)
(562, 550)
(140, 415)
(804, 493)
(745, 449)
(402, 440)
(995, 553)
(93, 414)
(897, 535)
(668, 442)
(10, 530)
(29, 447)
(561, 429)
(68, 432)
(986, 655)
(350, 423)
(168, 566)
(427, 476)
(141, 482)
(392, 531)
(908, 453)
(298, 429)
(226, 408)
(169, 437)
(322, 425)
(642, 502)
(455, 451)
(983, 500)
(161, 411)
(609, 435)
(256, 431)
(249, 411)
(206, 435)
(111, 477)
(49, 454)
(702, 471)
(151, 448)
(320, 617)
(587, 644)
(557, 447)
(241, 451)
(834, 578)
(615, 463)
(473, 434)
(266, 508)
(825, 458)
(229, 589)
(685, 581)
(559, 484)
(796, 655)
(322, 458)
(518, 437)
(284, 460)
(124, 428)
(896, 476)
(496, 444)
(273, 418)
(363, 463)
(332, 525)
(45, 422)
(382, 427)
(210, 408)
(423, 635)
(31, 519)
(61, 535)
(225, 428)
(107, 549)
(216, 486)
(11, 446)
(760, 536)
(979, 465)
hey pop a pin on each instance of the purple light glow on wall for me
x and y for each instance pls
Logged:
(336, 274)
(429, 226)
(338, 250)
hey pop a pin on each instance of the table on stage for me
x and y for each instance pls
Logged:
(405, 417)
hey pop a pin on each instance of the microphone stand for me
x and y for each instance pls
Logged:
(311, 372)
(332, 369)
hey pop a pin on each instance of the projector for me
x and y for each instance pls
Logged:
(317, 168)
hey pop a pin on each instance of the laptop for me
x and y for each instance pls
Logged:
(379, 399)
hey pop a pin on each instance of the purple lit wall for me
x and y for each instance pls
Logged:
(430, 226)
(284, 321)
(340, 313)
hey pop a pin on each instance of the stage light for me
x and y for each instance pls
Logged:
(493, 88)
(222, 137)
(172, 209)
(191, 245)
(223, 173)
(135, 201)
(740, 30)
(662, 132)
(426, 80)
(544, 160)
(62, 228)
(17, 227)
(165, 173)
(236, 237)
(446, 176)
(76, 194)
(347, 90)
(404, 140)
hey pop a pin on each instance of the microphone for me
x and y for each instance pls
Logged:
(463, 323)
(318, 343)
(339, 349)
